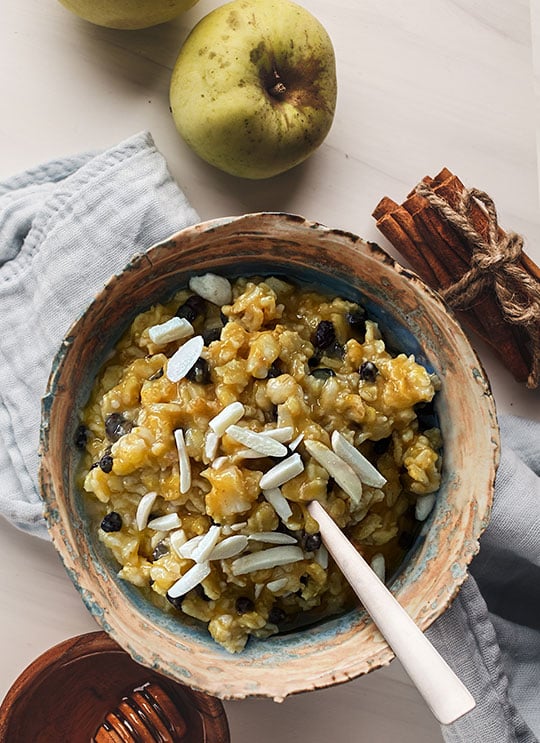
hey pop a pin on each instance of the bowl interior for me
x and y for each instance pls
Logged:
(412, 319)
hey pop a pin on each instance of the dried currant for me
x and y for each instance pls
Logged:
(368, 371)
(325, 334)
(199, 372)
(112, 522)
(244, 605)
(116, 426)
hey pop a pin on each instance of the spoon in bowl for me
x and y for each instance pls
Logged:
(442, 690)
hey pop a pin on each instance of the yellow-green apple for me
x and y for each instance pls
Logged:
(128, 14)
(253, 90)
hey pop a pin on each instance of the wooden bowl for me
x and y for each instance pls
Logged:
(413, 319)
(65, 694)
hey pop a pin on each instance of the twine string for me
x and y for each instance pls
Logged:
(495, 262)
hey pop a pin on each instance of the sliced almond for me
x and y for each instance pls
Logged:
(264, 445)
(229, 547)
(277, 500)
(183, 461)
(168, 522)
(264, 559)
(211, 445)
(144, 509)
(277, 585)
(181, 362)
(293, 446)
(246, 454)
(321, 557)
(282, 472)
(367, 473)
(177, 539)
(258, 589)
(189, 580)
(187, 549)
(219, 462)
(378, 565)
(283, 434)
(207, 544)
(229, 415)
(172, 330)
(337, 468)
(239, 526)
(424, 506)
(272, 537)
(213, 288)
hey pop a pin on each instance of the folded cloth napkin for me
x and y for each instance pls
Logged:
(65, 227)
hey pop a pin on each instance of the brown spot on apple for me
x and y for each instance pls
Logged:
(233, 20)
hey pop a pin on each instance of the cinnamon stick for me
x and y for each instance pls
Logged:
(442, 255)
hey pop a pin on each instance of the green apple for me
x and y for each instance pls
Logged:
(253, 90)
(128, 14)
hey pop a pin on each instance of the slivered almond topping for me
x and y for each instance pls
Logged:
(229, 547)
(177, 539)
(213, 288)
(277, 585)
(258, 589)
(239, 526)
(272, 537)
(144, 509)
(367, 473)
(283, 434)
(282, 472)
(172, 330)
(207, 544)
(183, 461)
(189, 580)
(277, 500)
(165, 523)
(187, 549)
(211, 445)
(219, 462)
(296, 443)
(264, 559)
(321, 557)
(337, 468)
(424, 506)
(246, 454)
(229, 415)
(264, 445)
(378, 565)
(181, 362)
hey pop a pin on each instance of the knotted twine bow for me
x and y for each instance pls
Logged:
(494, 262)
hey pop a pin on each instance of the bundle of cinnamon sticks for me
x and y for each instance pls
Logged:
(445, 251)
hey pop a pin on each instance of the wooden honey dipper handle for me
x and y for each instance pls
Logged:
(148, 714)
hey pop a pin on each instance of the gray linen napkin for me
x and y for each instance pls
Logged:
(65, 227)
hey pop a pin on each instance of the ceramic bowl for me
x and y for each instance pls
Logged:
(413, 319)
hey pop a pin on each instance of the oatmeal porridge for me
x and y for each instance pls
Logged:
(219, 416)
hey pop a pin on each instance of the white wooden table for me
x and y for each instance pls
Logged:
(422, 84)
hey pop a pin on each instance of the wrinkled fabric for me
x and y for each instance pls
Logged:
(65, 228)
(491, 633)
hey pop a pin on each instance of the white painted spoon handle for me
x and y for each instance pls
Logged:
(444, 693)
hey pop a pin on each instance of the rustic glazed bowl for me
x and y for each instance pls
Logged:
(413, 319)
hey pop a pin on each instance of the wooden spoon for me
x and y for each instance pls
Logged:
(444, 693)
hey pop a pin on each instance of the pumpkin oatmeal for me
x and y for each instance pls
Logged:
(219, 416)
